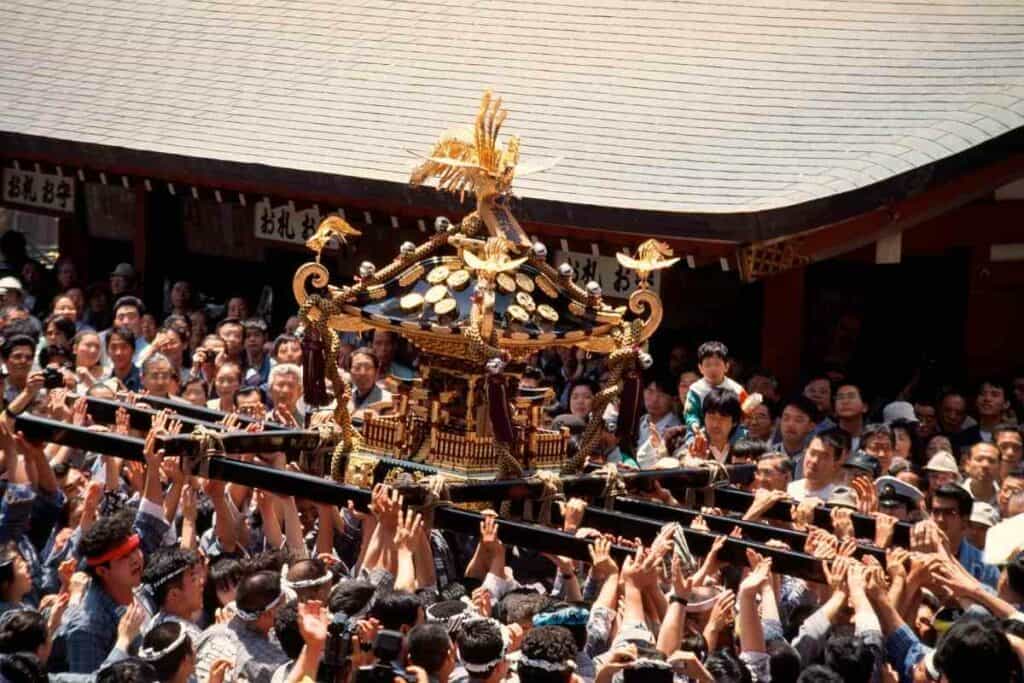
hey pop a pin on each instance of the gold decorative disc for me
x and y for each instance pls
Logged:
(517, 314)
(435, 294)
(411, 302)
(506, 283)
(458, 279)
(547, 313)
(524, 282)
(445, 306)
(438, 275)
(547, 286)
(526, 301)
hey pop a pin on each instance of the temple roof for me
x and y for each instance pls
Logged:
(706, 118)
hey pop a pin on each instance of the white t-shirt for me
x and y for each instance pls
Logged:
(798, 490)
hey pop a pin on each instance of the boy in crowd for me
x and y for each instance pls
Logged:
(713, 363)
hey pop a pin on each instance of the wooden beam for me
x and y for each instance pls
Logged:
(838, 238)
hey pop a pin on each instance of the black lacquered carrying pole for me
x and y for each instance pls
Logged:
(322, 490)
(735, 500)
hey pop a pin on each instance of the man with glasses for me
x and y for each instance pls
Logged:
(950, 512)
(18, 352)
(1012, 486)
(774, 472)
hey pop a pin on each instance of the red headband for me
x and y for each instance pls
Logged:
(115, 553)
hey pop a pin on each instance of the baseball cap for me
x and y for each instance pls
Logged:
(984, 514)
(893, 491)
(943, 461)
(843, 497)
(898, 410)
(123, 270)
(574, 424)
(864, 462)
(9, 283)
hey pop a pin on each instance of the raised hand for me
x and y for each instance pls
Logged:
(130, 625)
(57, 402)
(682, 585)
(218, 670)
(482, 601)
(842, 523)
(409, 527)
(802, 513)
(602, 564)
(572, 514)
(847, 548)
(173, 427)
(313, 621)
(896, 562)
(699, 445)
(884, 527)
(57, 613)
(64, 573)
(764, 500)
(867, 495)
(856, 579)
(231, 422)
(77, 586)
(723, 613)
(79, 412)
(835, 573)
(758, 575)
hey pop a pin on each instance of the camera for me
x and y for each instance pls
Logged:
(339, 647)
(52, 378)
(387, 648)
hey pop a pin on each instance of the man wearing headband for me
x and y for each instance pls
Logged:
(175, 578)
(548, 656)
(113, 552)
(245, 639)
(574, 620)
(309, 579)
(168, 649)
(481, 652)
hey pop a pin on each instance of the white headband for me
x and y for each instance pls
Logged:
(151, 655)
(253, 616)
(167, 577)
(703, 605)
(486, 666)
(545, 665)
(304, 583)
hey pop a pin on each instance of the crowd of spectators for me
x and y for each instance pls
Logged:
(119, 570)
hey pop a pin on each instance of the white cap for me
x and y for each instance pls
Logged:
(984, 514)
(943, 461)
(898, 410)
(9, 283)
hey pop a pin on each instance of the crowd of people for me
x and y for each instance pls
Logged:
(119, 570)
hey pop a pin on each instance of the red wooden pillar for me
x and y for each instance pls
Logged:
(782, 331)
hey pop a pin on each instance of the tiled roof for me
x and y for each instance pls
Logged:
(717, 106)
